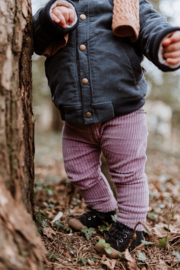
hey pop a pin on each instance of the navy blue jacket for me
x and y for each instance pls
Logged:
(106, 79)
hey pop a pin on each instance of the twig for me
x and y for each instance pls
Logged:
(122, 266)
(134, 234)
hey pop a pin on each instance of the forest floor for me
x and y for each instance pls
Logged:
(71, 250)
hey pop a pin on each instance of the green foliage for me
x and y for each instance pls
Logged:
(76, 200)
(93, 259)
(147, 243)
(104, 227)
(52, 255)
(144, 230)
(166, 229)
(101, 242)
(49, 190)
(151, 193)
(121, 256)
(50, 205)
(163, 242)
(58, 225)
(141, 256)
(161, 206)
(45, 224)
(66, 228)
(106, 246)
(83, 260)
(114, 217)
(40, 220)
(70, 248)
(88, 232)
(175, 253)
(39, 186)
(152, 216)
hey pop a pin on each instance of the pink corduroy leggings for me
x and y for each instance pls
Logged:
(123, 142)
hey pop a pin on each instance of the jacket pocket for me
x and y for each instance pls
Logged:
(134, 61)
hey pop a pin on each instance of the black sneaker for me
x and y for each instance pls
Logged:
(119, 237)
(92, 218)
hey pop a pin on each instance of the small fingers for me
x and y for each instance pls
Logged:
(172, 47)
(71, 17)
(171, 38)
(172, 54)
(55, 19)
(65, 13)
(167, 40)
(60, 16)
(172, 61)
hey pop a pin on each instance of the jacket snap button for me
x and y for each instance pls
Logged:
(82, 47)
(85, 81)
(88, 115)
(82, 17)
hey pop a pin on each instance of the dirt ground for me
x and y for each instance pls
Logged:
(71, 250)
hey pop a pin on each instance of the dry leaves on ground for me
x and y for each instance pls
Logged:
(49, 232)
(54, 196)
(109, 263)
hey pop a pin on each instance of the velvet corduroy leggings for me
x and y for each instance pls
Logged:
(123, 142)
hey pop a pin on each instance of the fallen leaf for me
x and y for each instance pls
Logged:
(163, 242)
(132, 266)
(103, 257)
(161, 266)
(160, 230)
(141, 257)
(109, 263)
(175, 253)
(128, 256)
(83, 260)
(131, 262)
(90, 262)
(67, 255)
(49, 232)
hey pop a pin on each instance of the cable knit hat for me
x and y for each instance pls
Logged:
(125, 21)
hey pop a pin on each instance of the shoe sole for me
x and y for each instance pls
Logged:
(75, 224)
(114, 254)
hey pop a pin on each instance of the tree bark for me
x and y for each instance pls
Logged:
(20, 246)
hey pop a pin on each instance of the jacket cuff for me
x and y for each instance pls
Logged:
(157, 48)
(53, 29)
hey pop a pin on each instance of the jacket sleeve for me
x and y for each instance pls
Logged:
(153, 29)
(45, 30)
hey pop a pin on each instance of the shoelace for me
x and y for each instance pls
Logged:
(119, 231)
(91, 214)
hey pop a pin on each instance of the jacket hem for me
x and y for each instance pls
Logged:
(100, 112)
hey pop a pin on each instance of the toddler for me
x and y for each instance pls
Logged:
(98, 85)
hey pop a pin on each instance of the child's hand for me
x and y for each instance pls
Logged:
(171, 46)
(63, 15)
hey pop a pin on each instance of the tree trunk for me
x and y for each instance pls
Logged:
(20, 246)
